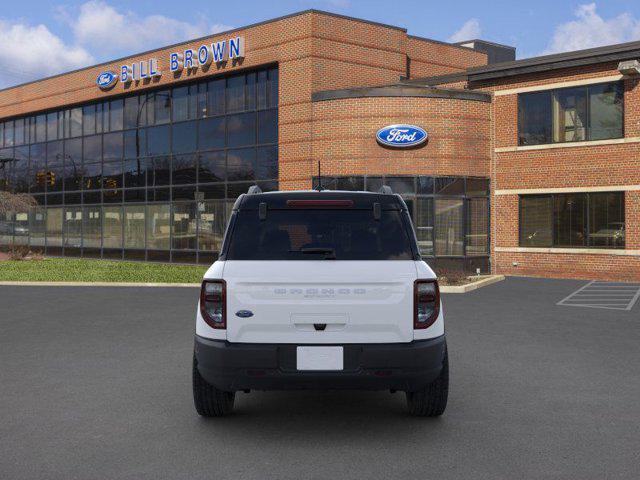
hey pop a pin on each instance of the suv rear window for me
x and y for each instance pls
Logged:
(300, 234)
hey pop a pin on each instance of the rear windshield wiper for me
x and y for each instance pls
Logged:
(329, 253)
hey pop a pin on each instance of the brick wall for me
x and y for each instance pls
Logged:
(563, 167)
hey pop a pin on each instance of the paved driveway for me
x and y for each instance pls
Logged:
(95, 384)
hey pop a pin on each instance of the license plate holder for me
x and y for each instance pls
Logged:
(320, 358)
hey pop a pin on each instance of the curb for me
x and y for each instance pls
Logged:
(99, 284)
(472, 286)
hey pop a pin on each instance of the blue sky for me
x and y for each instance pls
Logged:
(43, 37)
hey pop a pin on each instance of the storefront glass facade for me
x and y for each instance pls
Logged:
(147, 176)
(450, 214)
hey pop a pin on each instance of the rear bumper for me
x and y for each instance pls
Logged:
(389, 366)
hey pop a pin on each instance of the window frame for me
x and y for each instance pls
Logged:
(587, 223)
(553, 91)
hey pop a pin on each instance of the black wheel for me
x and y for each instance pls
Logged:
(209, 401)
(431, 401)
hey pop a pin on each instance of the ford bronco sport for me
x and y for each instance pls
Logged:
(320, 290)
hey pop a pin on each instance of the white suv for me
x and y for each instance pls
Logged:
(320, 290)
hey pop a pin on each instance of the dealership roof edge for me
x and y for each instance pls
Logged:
(400, 90)
(589, 56)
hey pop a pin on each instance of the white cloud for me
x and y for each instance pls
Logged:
(591, 30)
(29, 52)
(469, 31)
(107, 31)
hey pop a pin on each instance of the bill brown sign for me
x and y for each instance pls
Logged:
(189, 59)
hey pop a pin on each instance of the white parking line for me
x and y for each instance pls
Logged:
(612, 296)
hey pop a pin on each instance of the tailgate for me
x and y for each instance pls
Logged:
(320, 301)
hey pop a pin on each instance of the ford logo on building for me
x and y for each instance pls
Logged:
(401, 136)
(106, 80)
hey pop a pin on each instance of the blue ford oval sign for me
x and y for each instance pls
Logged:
(401, 136)
(106, 80)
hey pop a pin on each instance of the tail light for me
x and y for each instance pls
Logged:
(213, 303)
(426, 303)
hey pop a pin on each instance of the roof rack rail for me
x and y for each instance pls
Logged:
(385, 190)
(253, 189)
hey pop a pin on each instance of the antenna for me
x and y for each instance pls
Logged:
(319, 178)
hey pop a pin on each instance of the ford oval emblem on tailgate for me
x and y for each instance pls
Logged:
(244, 313)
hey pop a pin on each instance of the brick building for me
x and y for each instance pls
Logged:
(530, 167)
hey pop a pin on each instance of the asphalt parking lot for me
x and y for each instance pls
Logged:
(95, 384)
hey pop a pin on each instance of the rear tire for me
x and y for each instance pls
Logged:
(208, 400)
(431, 401)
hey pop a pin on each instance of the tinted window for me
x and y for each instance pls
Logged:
(534, 118)
(320, 234)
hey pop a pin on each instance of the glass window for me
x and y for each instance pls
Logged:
(477, 226)
(158, 226)
(92, 176)
(605, 111)
(449, 186)
(180, 104)
(54, 227)
(267, 166)
(112, 175)
(75, 122)
(241, 164)
(134, 173)
(606, 220)
(21, 169)
(273, 87)
(37, 168)
(92, 227)
(570, 115)
(41, 128)
(158, 171)
(112, 146)
(134, 226)
(130, 115)
(92, 149)
(102, 119)
(401, 184)
(423, 222)
(211, 225)
(313, 234)
(211, 133)
(54, 173)
(135, 143)
(215, 97)
(268, 126)
(211, 167)
(116, 115)
(112, 227)
(73, 227)
(261, 89)
(6, 228)
(449, 225)
(184, 137)
(162, 106)
(425, 185)
(158, 140)
(8, 134)
(89, 124)
(570, 220)
(241, 130)
(235, 93)
(250, 91)
(534, 118)
(477, 187)
(184, 226)
(37, 226)
(20, 131)
(184, 169)
(373, 184)
(536, 221)
(201, 100)
(576, 114)
(72, 164)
